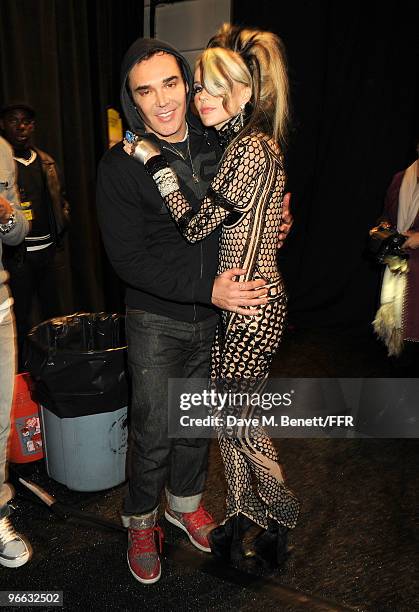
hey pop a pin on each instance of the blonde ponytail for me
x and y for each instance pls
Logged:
(261, 57)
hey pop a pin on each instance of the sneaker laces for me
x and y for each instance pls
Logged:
(7, 531)
(143, 540)
(200, 517)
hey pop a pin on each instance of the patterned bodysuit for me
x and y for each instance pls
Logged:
(246, 198)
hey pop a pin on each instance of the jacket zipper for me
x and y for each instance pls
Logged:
(200, 275)
(200, 246)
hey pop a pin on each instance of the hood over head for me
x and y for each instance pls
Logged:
(141, 48)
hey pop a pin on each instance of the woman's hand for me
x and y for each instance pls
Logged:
(412, 241)
(142, 149)
(287, 220)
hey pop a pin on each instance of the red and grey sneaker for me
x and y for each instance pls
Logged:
(143, 555)
(196, 524)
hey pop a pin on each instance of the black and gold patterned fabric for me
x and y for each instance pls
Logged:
(246, 198)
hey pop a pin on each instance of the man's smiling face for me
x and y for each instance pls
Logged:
(159, 93)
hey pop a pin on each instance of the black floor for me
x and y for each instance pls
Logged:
(355, 546)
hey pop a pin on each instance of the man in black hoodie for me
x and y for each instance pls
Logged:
(171, 289)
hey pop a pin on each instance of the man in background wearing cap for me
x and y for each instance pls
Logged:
(14, 550)
(38, 266)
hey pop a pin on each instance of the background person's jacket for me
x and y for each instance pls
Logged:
(60, 208)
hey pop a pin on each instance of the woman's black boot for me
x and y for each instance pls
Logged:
(271, 546)
(226, 540)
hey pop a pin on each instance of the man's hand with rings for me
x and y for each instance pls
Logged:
(244, 297)
(140, 148)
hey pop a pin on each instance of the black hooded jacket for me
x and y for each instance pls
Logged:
(163, 273)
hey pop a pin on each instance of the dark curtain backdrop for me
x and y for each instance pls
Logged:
(63, 57)
(354, 75)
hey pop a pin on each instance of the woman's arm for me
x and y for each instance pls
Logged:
(231, 189)
(193, 225)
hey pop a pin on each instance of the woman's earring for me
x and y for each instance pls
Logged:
(242, 107)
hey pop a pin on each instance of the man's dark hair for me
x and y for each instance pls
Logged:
(147, 56)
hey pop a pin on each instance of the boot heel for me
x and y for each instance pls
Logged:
(271, 547)
(226, 540)
(220, 542)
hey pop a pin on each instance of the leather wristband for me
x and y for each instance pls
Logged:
(156, 163)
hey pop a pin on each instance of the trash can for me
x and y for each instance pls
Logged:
(78, 366)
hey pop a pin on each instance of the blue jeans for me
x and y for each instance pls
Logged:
(7, 372)
(160, 348)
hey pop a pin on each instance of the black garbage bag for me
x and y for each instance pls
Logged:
(78, 363)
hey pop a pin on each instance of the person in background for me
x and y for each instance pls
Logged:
(14, 549)
(39, 274)
(397, 320)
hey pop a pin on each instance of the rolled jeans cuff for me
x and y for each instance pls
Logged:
(183, 504)
(126, 518)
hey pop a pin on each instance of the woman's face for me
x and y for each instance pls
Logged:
(211, 109)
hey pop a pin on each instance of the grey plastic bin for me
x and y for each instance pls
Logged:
(78, 366)
(86, 453)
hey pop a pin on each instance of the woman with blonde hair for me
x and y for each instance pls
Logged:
(241, 89)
